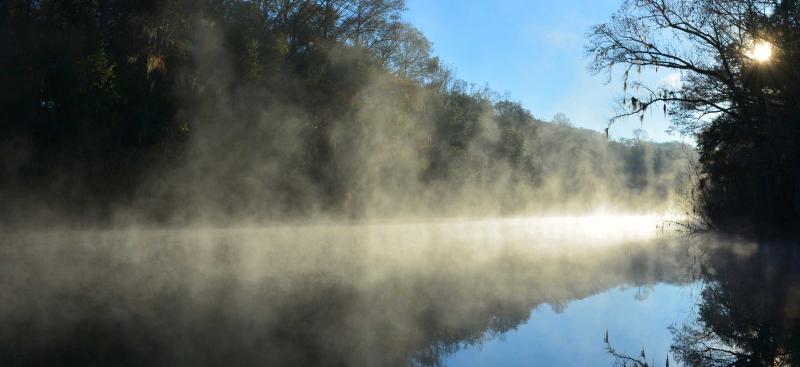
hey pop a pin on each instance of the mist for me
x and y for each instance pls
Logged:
(396, 150)
(254, 128)
(205, 183)
(307, 295)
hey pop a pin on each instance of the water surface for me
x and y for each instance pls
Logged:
(460, 292)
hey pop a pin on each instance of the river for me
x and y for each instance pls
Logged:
(513, 291)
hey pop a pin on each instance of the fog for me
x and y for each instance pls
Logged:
(303, 182)
(380, 294)
(395, 151)
(199, 186)
(366, 144)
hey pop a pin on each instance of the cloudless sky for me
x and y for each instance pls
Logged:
(535, 51)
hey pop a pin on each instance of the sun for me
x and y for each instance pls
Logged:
(761, 51)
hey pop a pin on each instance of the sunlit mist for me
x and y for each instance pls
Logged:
(319, 183)
(558, 232)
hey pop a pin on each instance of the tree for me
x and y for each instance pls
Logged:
(262, 108)
(363, 22)
(742, 107)
(561, 119)
(404, 51)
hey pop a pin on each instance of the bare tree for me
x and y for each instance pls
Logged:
(363, 21)
(404, 51)
(706, 41)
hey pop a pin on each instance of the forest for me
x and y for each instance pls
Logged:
(222, 111)
(305, 182)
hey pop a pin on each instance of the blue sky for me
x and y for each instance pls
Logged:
(533, 50)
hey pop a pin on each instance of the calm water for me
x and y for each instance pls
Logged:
(527, 291)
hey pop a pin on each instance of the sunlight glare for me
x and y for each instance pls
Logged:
(761, 51)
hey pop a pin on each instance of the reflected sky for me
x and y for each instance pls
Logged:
(336, 294)
(636, 317)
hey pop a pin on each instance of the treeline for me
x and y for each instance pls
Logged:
(183, 110)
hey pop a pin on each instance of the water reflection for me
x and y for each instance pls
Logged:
(750, 307)
(330, 295)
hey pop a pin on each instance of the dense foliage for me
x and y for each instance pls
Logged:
(181, 110)
(739, 95)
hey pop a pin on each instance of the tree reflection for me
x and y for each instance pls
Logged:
(313, 296)
(748, 314)
(748, 311)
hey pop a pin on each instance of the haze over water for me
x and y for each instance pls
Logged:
(326, 294)
(307, 183)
